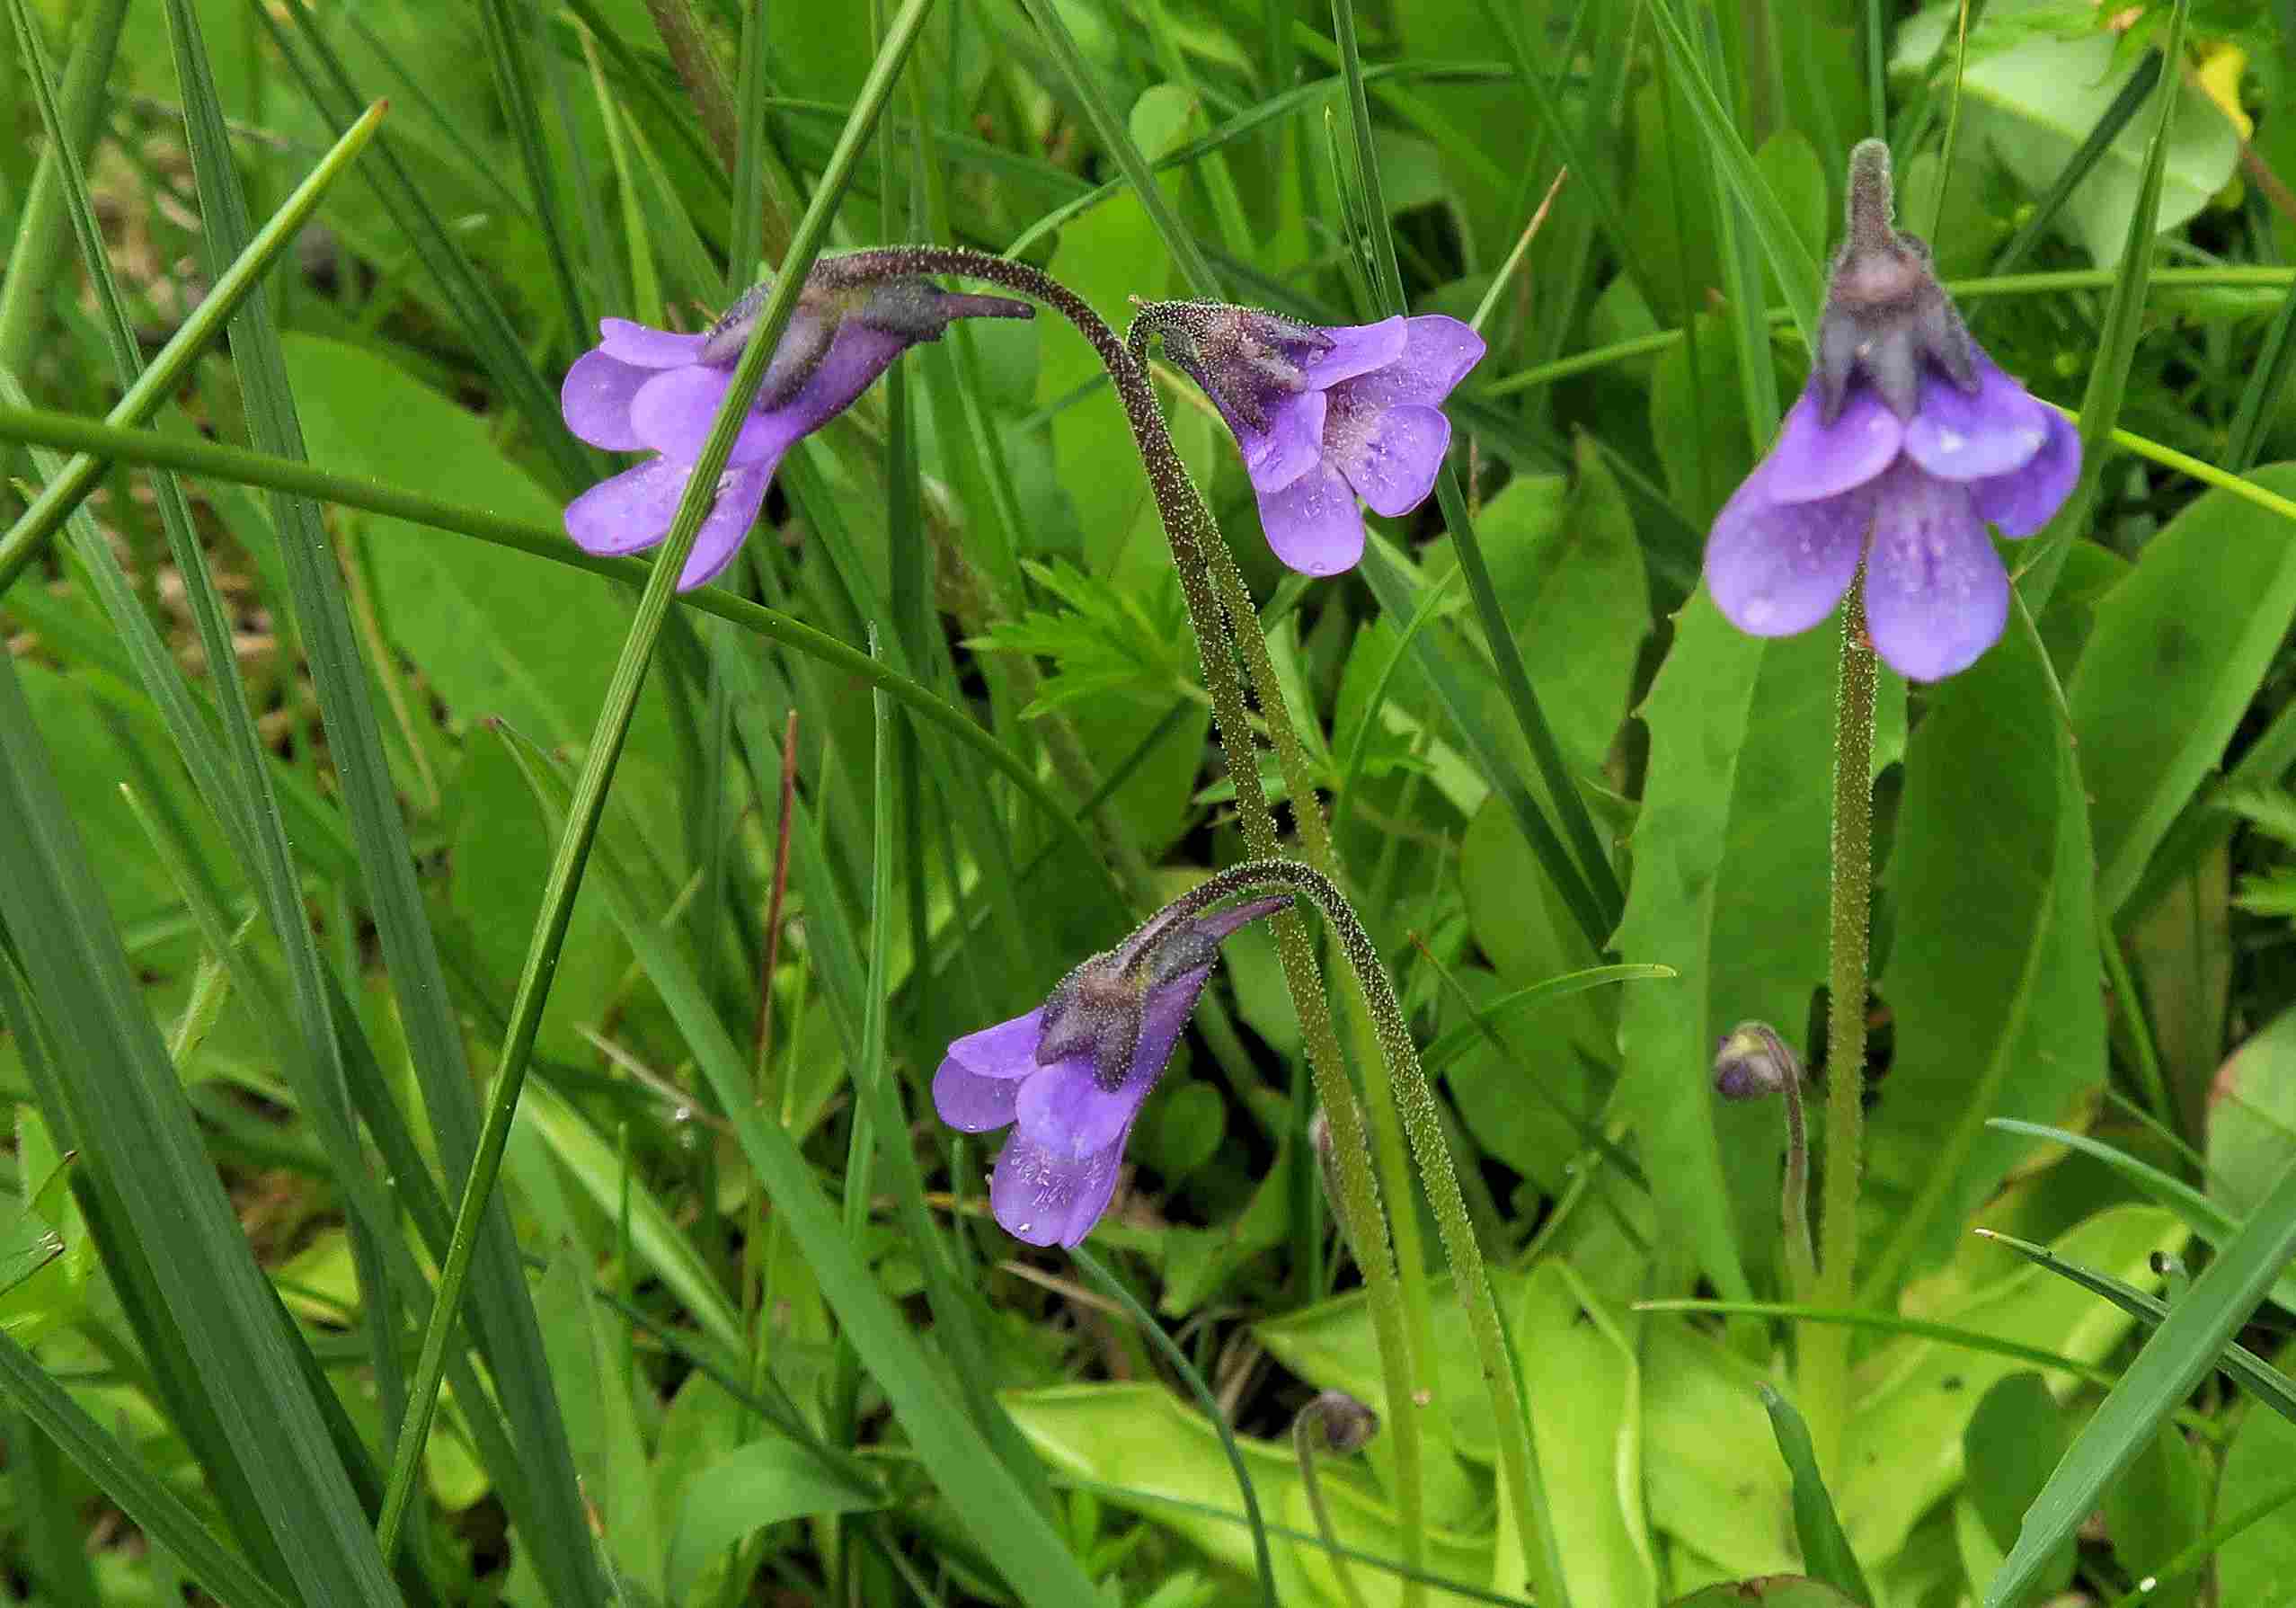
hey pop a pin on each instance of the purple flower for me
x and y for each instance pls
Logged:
(1325, 416)
(1069, 1077)
(1905, 444)
(644, 390)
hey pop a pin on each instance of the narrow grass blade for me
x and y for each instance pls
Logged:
(134, 1106)
(239, 466)
(1797, 270)
(1603, 898)
(2183, 1348)
(2117, 344)
(1115, 137)
(1153, 1332)
(502, 22)
(2260, 397)
(493, 338)
(1391, 584)
(2271, 1386)
(1825, 1547)
(605, 749)
(120, 1475)
(560, 1547)
(165, 374)
(40, 241)
(986, 1497)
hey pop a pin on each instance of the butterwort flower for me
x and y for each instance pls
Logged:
(1905, 444)
(1325, 416)
(648, 390)
(1069, 1078)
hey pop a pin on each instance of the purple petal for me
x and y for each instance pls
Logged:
(1936, 593)
(1313, 524)
(629, 512)
(1357, 349)
(1775, 568)
(1389, 454)
(1958, 436)
(647, 347)
(1065, 1112)
(1042, 1200)
(673, 411)
(1290, 446)
(1438, 351)
(970, 1103)
(2023, 501)
(857, 356)
(1813, 460)
(740, 492)
(595, 400)
(1008, 1050)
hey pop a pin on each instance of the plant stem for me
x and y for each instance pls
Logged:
(1825, 1348)
(1189, 527)
(1517, 1456)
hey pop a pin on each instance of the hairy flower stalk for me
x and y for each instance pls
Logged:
(1190, 529)
(1751, 1062)
(1346, 1426)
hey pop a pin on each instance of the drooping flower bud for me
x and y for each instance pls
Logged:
(1348, 1425)
(1751, 1062)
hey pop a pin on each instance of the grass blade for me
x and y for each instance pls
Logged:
(2183, 1348)
(2271, 1386)
(39, 242)
(597, 770)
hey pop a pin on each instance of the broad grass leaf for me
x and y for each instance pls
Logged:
(2009, 1444)
(765, 1482)
(496, 633)
(1583, 1381)
(1769, 1590)
(1992, 974)
(1143, 1440)
(1729, 889)
(2156, 1508)
(2178, 649)
(2261, 1462)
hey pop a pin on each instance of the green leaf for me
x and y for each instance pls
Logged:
(2254, 1564)
(1583, 1381)
(1824, 1546)
(2252, 1117)
(2157, 1509)
(2031, 105)
(2179, 1353)
(2178, 650)
(765, 1482)
(1730, 890)
(1993, 965)
(2012, 1441)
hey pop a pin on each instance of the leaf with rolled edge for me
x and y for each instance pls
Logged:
(1993, 976)
(2177, 651)
(1730, 890)
(1824, 1546)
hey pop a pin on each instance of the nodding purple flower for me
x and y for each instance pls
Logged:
(1906, 442)
(643, 389)
(1325, 416)
(1069, 1077)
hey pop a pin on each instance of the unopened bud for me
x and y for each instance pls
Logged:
(1319, 1141)
(1347, 1425)
(1751, 1062)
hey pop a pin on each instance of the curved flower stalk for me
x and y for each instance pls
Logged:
(1069, 1077)
(644, 389)
(1324, 415)
(1905, 444)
